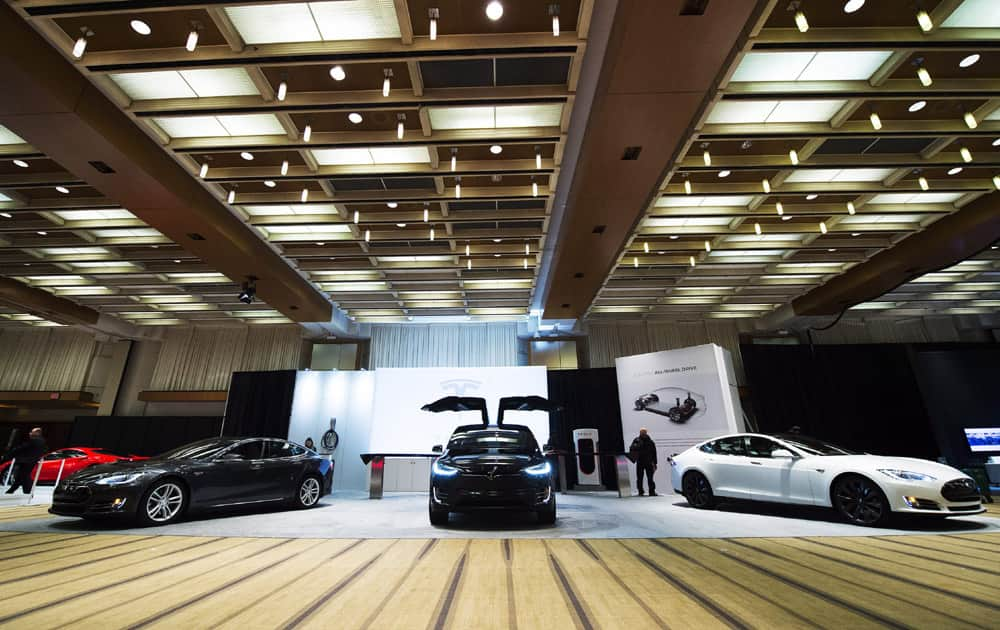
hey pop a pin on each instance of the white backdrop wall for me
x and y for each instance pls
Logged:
(444, 345)
(45, 359)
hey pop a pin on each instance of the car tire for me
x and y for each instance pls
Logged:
(163, 503)
(547, 515)
(308, 492)
(860, 501)
(437, 515)
(698, 491)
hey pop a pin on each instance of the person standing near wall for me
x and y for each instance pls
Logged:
(643, 451)
(24, 457)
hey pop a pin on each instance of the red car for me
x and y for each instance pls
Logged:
(76, 458)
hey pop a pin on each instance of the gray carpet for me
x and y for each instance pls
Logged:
(581, 515)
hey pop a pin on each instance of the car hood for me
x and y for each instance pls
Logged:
(942, 472)
(101, 470)
(503, 463)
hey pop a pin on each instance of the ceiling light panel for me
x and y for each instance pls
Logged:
(9, 137)
(805, 111)
(809, 66)
(923, 197)
(92, 215)
(297, 209)
(220, 126)
(186, 83)
(501, 117)
(974, 14)
(372, 156)
(690, 201)
(316, 21)
(686, 221)
(747, 112)
(840, 175)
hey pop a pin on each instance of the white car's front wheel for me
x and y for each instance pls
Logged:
(698, 491)
(860, 501)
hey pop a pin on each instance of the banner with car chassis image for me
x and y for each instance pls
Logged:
(681, 396)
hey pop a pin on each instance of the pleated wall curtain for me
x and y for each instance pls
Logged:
(444, 345)
(204, 359)
(47, 359)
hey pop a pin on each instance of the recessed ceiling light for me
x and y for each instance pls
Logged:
(42, 233)
(337, 73)
(811, 197)
(269, 183)
(246, 155)
(355, 118)
(996, 142)
(497, 240)
(400, 225)
(494, 10)
(832, 249)
(855, 233)
(63, 190)
(5, 215)
(955, 171)
(968, 61)
(21, 163)
(674, 237)
(724, 173)
(496, 149)
(496, 255)
(786, 217)
(916, 107)
(392, 204)
(177, 260)
(853, 5)
(140, 27)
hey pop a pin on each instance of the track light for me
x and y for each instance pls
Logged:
(793, 155)
(249, 290)
(337, 73)
(527, 249)
(432, 234)
(635, 262)
(780, 208)
(231, 197)
(468, 264)
(538, 157)
(427, 215)
(284, 167)
(708, 246)
(966, 154)
(307, 133)
(494, 10)
(454, 159)
(468, 250)
(765, 184)
(192, 40)
(876, 121)
(924, 76)
(80, 46)
(203, 171)
(368, 236)
(687, 186)
(996, 182)
(534, 187)
(970, 120)
(282, 90)
(400, 127)
(707, 157)
(822, 227)
(645, 247)
(691, 258)
(801, 22)
(433, 14)
(387, 81)
(458, 188)
(305, 195)
(756, 228)
(923, 183)
(524, 261)
(850, 207)
(925, 21)
(554, 12)
(357, 216)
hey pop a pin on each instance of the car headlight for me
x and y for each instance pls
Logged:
(443, 470)
(906, 475)
(539, 470)
(117, 479)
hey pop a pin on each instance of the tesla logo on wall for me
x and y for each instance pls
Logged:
(459, 386)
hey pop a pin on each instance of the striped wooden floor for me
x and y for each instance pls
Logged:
(111, 581)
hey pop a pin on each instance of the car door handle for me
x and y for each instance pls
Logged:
(757, 463)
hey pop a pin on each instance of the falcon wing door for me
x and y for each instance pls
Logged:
(524, 403)
(459, 403)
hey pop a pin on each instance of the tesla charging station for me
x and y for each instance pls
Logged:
(588, 470)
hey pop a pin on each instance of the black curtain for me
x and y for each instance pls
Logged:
(589, 400)
(141, 435)
(960, 385)
(260, 403)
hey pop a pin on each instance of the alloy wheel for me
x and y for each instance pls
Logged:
(697, 490)
(860, 500)
(309, 491)
(164, 502)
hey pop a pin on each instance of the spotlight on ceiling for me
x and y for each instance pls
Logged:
(387, 81)
(494, 10)
(554, 12)
(434, 14)
(925, 21)
(192, 40)
(80, 46)
(249, 291)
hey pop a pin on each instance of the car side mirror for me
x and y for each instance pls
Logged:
(782, 453)
(437, 448)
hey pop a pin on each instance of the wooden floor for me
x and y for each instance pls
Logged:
(111, 581)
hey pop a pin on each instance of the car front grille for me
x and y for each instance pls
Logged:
(71, 494)
(964, 508)
(960, 490)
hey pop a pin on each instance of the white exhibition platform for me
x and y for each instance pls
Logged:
(350, 514)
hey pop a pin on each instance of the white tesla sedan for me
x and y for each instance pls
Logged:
(787, 468)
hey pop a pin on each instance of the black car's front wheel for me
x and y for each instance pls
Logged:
(308, 492)
(437, 515)
(547, 515)
(163, 503)
(860, 501)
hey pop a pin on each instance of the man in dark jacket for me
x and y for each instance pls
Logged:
(643, 450)
(24, 457)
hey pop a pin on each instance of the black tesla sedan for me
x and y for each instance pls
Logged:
(203, 475)
(488, 466)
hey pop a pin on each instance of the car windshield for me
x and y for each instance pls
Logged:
(474, 442)
(814, 446)
(206, 449)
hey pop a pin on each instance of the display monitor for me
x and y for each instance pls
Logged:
(983, 440)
